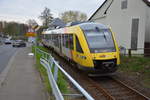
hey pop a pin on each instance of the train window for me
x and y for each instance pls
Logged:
(62, 40)
(44, 36)
(57, 40)
(78, 46)
(50, 36)
(63, 37)
(47, 36)
(66, 41)
(53, 37)
(71, 41)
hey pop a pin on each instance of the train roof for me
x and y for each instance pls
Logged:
(83, 26)
(92, 25)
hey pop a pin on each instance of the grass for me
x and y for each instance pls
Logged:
(61, 81)
(138, 66)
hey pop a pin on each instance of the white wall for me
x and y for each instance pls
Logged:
(121, 20)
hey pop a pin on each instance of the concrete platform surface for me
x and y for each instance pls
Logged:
(23, 80)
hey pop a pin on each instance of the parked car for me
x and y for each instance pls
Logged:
(19, 43)
(7, 41)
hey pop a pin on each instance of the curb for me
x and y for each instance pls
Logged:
(5, 71)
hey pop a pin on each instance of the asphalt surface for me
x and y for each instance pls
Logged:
(23, 81)
(6, 52)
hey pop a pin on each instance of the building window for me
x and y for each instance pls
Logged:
(124, 4)
(134, 33)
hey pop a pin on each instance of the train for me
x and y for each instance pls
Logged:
(91, 46)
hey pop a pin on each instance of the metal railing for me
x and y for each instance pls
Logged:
(48, 62)
(135, 52)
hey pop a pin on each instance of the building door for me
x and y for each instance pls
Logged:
(134, 33)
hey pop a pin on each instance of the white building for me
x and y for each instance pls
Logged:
(129, 20)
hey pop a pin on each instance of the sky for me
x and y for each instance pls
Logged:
(22, 10)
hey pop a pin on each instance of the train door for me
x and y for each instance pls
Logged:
(78, 51)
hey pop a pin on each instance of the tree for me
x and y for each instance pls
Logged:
(32, 22)
(15, 29)
(1, 26)
(11, 28)
(23, 29)
(46, 16)
(71, 16)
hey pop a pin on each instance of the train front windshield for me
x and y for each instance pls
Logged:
(100, 40)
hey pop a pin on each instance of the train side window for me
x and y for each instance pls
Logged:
(57, 40)
(66, 41)
(44, 36)
(47, 36)
(71, 41)
(78, 46)
(50, 37)
(63, 40)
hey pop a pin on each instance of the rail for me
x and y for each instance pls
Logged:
(49, 62)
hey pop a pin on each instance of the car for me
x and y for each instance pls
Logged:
(19, 43)
(7, 41)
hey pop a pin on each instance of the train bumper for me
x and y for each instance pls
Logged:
(101, 66)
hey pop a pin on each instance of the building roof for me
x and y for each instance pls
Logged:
(92, 25)
(146, 1)
(97, 10)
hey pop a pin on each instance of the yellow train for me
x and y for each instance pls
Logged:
(91, 46)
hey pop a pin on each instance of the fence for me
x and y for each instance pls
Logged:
(48, 62)
(139, 51)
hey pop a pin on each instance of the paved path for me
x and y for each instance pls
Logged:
(22, 81)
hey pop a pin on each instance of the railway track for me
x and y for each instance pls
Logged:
(117, 90)
(101, 88)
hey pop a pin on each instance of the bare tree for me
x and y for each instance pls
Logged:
(31, 22)
(70, 16)
(46, 16)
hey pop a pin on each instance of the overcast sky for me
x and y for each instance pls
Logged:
(22, 10)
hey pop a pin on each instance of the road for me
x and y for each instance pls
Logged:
(6, 52)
